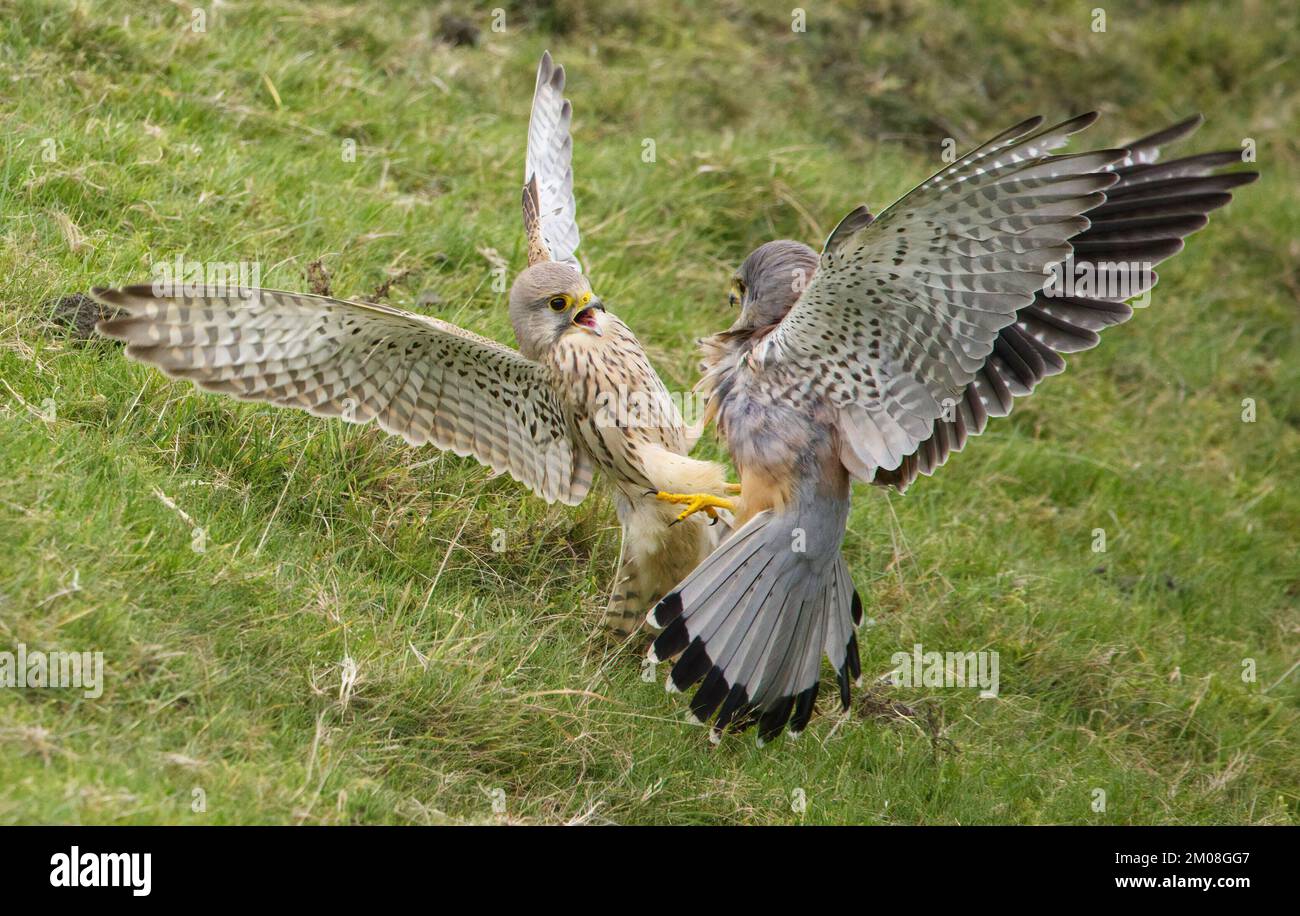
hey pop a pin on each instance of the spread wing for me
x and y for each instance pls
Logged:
(905, 310)
(1146, 215)
(550, 212)
(417, 377)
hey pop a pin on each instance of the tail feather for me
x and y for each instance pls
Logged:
(691, 668)
(735, 648)
(802, 650)
(841, 641)
(772, 722)
(806, 701)
(838, 628)
(780, 669)
(750, 626)
(758, 651)
(804, 705)
(706, 579)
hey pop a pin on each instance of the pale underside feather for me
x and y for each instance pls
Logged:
(419, 378)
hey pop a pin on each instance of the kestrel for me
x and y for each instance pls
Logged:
(579, 393)
(911, 330)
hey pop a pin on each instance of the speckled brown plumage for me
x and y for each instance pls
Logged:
(579, 394)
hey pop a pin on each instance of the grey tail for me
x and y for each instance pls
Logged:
(751, 624)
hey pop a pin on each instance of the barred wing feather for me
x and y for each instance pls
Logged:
(419, 378)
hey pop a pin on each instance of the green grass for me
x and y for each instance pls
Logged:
(478, 671)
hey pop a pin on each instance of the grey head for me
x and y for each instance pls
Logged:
(770, 281)
(547, 301)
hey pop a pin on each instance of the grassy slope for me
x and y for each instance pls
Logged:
(478, 671)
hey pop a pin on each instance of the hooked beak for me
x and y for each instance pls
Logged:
(585, 317)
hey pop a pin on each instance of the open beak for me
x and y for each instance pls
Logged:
(585, 317)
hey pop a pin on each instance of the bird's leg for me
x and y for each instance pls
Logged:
(732, 488)
(696, 502)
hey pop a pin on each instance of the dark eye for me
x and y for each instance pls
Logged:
(737, 291)
(559, 303)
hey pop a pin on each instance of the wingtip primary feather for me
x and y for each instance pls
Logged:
(111, 328)
(1177, 131)
(107, 295)
(1087, 119)
(545, 67)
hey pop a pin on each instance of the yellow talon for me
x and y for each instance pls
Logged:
(696, 502)
(732, 488)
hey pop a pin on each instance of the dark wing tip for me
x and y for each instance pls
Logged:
(1178, 131)
(1031, 123)
(111, 327)
(1080, 121)
(124, 294)
(107, 295)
